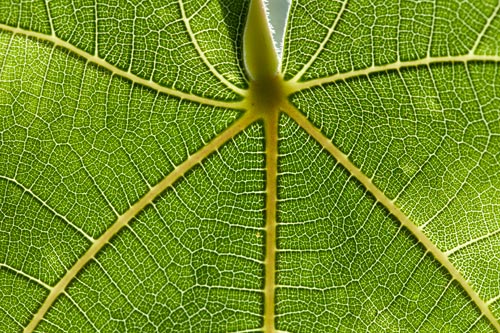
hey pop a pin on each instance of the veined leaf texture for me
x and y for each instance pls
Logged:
(162, 171)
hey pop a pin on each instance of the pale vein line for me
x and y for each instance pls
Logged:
(433, 25)
(5, 56)
(115, 283)
(29, 277)
(294, 87)
(408, 280)
(11, 317)
(322, 45)
(132, 44)
(461, 188)
(493, 300)
(115, 70)
(473, 325)
(44, 204)
(271, 136)
(254, 330)
(96, 27)
(153, 258)
(233, 255)
(470, 242)
(438, 146)
(203, 56)
(231, 288)
(84, 314)
(284, 286)
(485, 28)
(430, 311)
(470, 171)
(392, 208)
(87, 172)
(124, 219)
(49, 17)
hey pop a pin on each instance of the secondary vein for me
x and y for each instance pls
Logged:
(57, 42)
(390, 205)
(125, 218)
(294, 86)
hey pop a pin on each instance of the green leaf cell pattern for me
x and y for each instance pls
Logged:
(148, 183)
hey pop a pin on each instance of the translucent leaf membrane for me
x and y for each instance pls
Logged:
(344, 264)
(82, 142)
(362, 34)
(191, 261)
(431, 143)
(88, 143)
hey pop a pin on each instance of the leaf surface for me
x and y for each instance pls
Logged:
(148, 183)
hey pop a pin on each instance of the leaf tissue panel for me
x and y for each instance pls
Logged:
(149, 184)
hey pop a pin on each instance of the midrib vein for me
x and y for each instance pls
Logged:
(124, 219)
(392, 208)
(295, 86)
(271, 137)
(57, 42)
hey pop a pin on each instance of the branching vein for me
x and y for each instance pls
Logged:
(322, 45)
(485, 28)
(29, 277)
(298, 86)
(124, 219)
(44, 204)
(392, 208)
(203, 56)
(57, 42)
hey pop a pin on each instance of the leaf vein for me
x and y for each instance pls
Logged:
(57, 42)
(202, 55)
(294, 87)
(297, 76)
(393, 209)
(44, 204)
(485, 28)
(125, 218)
(26, 275)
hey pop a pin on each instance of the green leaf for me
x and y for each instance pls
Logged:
(157, 174)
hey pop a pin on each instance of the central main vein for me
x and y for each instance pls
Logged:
(265, 99)
(271, 135)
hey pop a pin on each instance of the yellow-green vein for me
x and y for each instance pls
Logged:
(296, 86)
(57, 42)
(392, 208)
(125, 218)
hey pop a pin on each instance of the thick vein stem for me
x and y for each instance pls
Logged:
(124, 219)
(271, 135)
